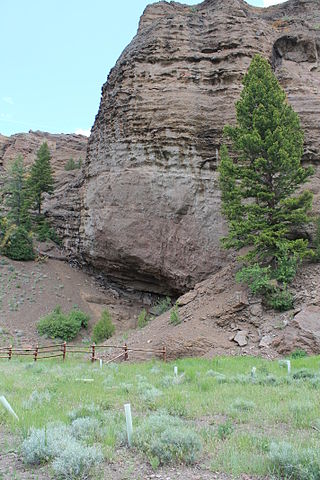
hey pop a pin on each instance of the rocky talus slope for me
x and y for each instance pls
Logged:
(64, 206)
(220, 317)
(151, 204)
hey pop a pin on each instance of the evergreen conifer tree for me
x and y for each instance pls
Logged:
(41, 176)
(17, 199)
(259, 185)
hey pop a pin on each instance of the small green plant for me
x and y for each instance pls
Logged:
(72, 165)
(162, 306)
(104, 328)
(58, 325)
(225, 430)
(143, 319)
(257, 278)
(174, 315)
(281, 300)
(316, 256)
(298, 353)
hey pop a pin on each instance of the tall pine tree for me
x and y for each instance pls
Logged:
(259, 184)
(17, 198)
(41, 176)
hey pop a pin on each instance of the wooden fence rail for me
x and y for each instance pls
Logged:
(61, 350)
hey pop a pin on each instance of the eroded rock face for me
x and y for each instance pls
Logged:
(63, 206)
(151, 205)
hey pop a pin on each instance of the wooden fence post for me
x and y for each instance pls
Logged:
(64, 351)
(164, 353)
(10, 352)
(36, 353)
(93, 350)
(126, 356)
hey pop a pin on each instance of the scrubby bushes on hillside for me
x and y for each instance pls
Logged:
(58, 325)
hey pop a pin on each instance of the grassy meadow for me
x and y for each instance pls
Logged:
(216, 414)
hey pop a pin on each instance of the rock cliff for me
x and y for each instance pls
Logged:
(151, 205)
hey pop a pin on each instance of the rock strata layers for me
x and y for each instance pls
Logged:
(150, 210)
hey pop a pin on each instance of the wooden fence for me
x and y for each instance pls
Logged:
(62, 349)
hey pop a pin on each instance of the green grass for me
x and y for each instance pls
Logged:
(237, 417)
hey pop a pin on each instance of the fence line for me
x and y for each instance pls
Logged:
(61, 350)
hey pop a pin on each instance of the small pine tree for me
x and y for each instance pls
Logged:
(17, 198)
(104, 328)
(259, 182)
(41, 176)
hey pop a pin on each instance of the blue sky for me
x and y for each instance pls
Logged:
(56, 55)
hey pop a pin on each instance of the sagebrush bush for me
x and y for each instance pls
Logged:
(18, 245)
(76, 461)
(166, 438)
(241, 405)
(85, 428)
(104, 328)
(71, 458)
(59, 325)
(288, 463)
(43, 444)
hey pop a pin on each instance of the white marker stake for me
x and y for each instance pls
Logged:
(253, 372)
(175, 371)
(100, 363)
(127, 409)
(289, 366)
(7, 405)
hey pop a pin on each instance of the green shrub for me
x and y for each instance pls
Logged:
(257, 278)
(174, 315)
(143, 319)
(281, 300)
(79, 316)
(58, 325)
(168, 440)
(17, 244)
(298, 353)
(104, 328)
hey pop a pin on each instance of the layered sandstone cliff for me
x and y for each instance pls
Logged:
(151, 203)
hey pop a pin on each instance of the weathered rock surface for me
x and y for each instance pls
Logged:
(64, 206)
(151, 204)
